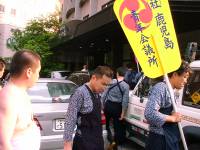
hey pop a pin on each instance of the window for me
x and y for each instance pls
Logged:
(107, 4)
(143, 87)
(58, 89)
(86, 17)
(2, 8)
(191, 96)
(39, 93)
(13, 11)
(70, 12)
(82, 2)
(43, 92)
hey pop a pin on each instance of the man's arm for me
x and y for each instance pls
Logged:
(152, 113)
(125, 100)
(175, 117)
(67, 145)
(71, 119)
(153, 105)
(8, 118)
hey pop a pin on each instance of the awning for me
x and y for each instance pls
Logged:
(98, 20)
(184, 13)
(187, 6)
(107, 15)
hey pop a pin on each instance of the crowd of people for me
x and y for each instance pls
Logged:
(18, 131)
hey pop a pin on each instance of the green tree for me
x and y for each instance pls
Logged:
(40, 35)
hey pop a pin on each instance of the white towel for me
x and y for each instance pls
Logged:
(29, 140)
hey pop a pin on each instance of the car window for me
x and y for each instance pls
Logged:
(39, 93)
(43, 92)
(191, 96)
(143, 87)
(57, 89)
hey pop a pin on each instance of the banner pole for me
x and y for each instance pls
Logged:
(175, 109)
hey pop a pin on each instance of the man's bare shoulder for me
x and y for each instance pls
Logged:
(7, 97)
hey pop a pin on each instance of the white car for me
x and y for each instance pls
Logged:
(188, 104)
(50, 98)
(62, 74)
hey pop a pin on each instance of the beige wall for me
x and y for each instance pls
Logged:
(91, 7)
(4, 35)
(85, 9)
(100, 3)
(67, 4)
(25, 11)
(7, 22)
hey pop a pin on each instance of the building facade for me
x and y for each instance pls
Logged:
(82, 9)
(96, 37)
(16, 13)
(7, 22)
(90, 43)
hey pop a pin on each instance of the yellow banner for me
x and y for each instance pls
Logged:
(149, 29)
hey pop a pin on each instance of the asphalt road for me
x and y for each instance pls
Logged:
(129, 145)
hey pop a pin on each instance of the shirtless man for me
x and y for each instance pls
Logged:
(18, 131)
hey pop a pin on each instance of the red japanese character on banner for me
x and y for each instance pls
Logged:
(140, 12)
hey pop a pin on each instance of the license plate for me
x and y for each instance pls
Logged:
(60, 124)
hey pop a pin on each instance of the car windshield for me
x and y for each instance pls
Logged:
(57, 89)
(192, 91)
(43, 92)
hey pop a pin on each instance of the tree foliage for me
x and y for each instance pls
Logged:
(40, 35)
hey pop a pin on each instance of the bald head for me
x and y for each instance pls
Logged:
(22, 60)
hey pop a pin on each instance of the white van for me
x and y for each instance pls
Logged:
(188, 104)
